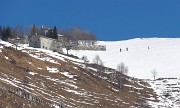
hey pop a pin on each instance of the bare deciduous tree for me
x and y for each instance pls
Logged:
(33, 30)
(85, 60)
(121, 69)
(97, 60)
(77, 34)
(19, 31)
(154, 73)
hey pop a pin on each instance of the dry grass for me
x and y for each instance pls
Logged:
(98, 93)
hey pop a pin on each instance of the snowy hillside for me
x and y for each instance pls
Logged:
(39, 78)
(163, 55)
(55, 80)
(168, 92)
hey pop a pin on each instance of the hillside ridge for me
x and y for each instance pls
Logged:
(63, 81)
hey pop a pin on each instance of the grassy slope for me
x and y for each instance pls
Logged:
(84, 90)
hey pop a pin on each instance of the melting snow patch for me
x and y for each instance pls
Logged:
(151, 98)
(75, 92)
(52, 70)
(116, 90)
(6, 57)
(167, 91)
(50, 60)
(1, 47)
(56, 106)
(125, 103)
(39, 68)
(67, 74)
(32, 73)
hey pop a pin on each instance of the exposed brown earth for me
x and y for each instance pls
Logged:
(83, 89)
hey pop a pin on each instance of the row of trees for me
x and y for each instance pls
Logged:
(13, 35)
(72, 34)
(5, 33)
(77, 34)
(48, 32)
(120, 70)
(119, 73)
(9, 32)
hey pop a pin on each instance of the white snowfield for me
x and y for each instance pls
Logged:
(163, 55)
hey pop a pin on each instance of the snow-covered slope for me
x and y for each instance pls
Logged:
(57, 78)
(47, 79)
(168, 92)
(163, 55)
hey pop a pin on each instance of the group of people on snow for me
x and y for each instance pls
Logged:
(127, 49)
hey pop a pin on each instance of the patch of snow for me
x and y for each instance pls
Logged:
(73, 91)
(52, 70)
(132, 86)
(116, 90)
(50, 60)
(67, 74)
(32, 73)
(92, 69)
(39, 68)
(168, 93)
(6, 57)
(1, 47)
(56, 106)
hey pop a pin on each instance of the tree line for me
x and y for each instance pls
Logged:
(72, 34)
(51, 32)
(77, 34)
(10, 32)
(118, 74)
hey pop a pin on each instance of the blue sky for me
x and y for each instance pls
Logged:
(108, 19)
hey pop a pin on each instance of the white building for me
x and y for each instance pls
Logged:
(38, 41)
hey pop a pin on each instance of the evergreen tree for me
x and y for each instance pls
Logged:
(3, 33)
(33, 30)
(55, 35)
(6, 33)
(50, 33)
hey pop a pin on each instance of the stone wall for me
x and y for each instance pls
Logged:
(32, 98)
(89, 45)
(94, 47)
